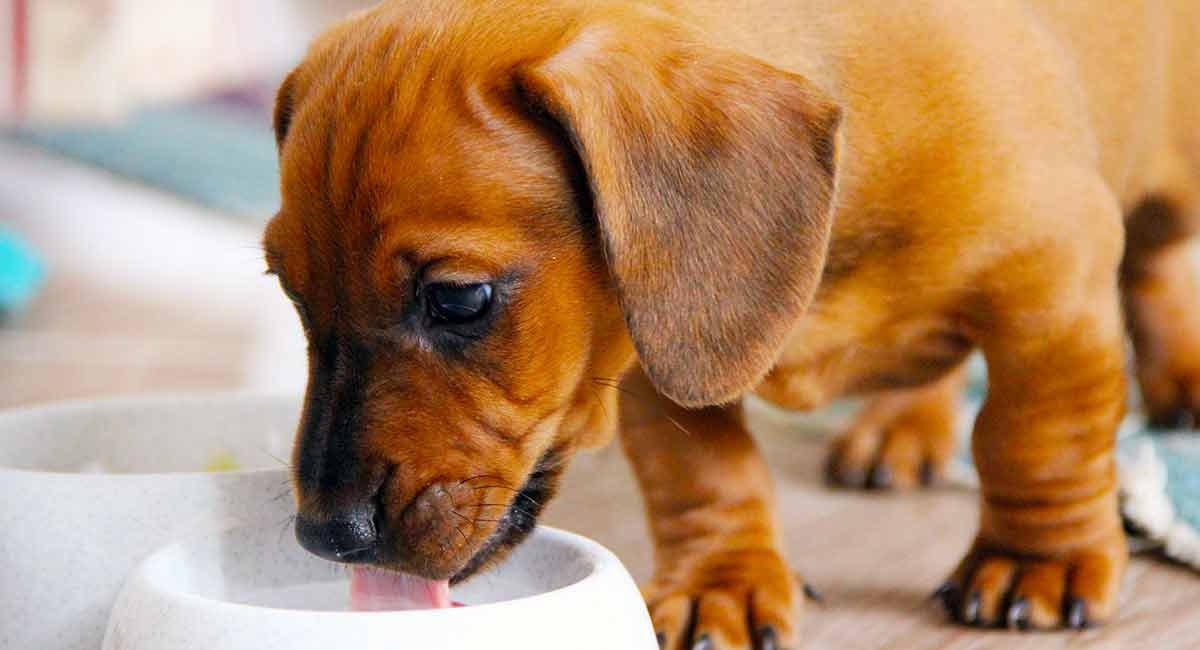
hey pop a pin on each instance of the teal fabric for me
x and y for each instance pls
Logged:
(211, 153)
(1181, 454)
(21, 272)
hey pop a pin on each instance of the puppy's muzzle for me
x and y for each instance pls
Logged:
(426, 536)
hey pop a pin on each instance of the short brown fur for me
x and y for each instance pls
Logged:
(806, 200)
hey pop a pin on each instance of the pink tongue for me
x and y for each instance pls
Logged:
(375, 590)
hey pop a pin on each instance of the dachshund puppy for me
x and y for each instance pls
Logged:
(495, 211)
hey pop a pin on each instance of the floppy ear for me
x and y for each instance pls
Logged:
(712, 181)
(285, 104)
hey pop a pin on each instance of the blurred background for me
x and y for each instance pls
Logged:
(137, 168)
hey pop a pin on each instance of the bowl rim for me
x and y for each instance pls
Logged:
(601, 560)
(137, 400)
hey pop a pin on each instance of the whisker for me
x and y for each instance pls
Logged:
(600, 402)
(283, 527)
(499, 505)
(458, 529)
(625, 391)
(520, 495)
(494, 487)
(282, 463)
(481, 476)
(506, 505)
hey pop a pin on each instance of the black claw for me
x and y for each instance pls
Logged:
(812, 594)
(833, 475)
(1077, 618)
(839, 476)
(949, 594)
(851, 478)
(971, 609)
(880, 478)
(929, 475)
(662, 639)
(703, 643)
(1132, 528)
(941, 591)
(1018, 614)
(767, 638)
(1174, 420)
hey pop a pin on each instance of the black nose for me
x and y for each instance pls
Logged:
(349, 536)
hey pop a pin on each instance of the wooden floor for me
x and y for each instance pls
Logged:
(875, 558)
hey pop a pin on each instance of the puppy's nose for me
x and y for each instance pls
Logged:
(349, 536)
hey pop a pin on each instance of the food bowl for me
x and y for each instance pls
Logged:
(256, 588)
(89, 489)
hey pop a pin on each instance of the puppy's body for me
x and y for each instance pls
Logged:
(941, 99)
(804, 199)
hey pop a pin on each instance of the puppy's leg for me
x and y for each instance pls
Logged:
(1050, 549)
(1162, 302)
(902, 439)
(720, 581)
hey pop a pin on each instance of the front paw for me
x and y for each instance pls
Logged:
(735, 600)
(898, 456)
(992, 587)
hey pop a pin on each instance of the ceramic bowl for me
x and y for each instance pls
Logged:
(256, 588)
(89, 489)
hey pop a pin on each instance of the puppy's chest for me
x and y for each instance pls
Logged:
(842, 350)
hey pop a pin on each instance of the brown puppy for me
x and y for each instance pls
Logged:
(495, 209)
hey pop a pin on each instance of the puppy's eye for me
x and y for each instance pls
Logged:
(458, 303)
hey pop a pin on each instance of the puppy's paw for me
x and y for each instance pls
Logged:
(901, 455)
(992, 588)
(1172, 397)
(729, 601)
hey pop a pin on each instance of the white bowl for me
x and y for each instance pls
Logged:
(89, 489)
(256, 588)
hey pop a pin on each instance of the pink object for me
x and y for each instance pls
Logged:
(376, 590)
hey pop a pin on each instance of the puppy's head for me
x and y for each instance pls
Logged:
(489, 213)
